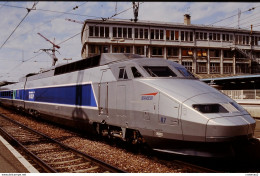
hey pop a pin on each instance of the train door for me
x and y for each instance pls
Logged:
(169, 117)
(103, 96)
(121, 100)
(150, 113)
(121, 92)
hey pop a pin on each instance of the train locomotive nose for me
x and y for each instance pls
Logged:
(230, 128)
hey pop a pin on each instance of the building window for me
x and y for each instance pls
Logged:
(214, 53)
(157, 51)
(202, 53)
(182, 35)
(172, 35)
(152, 34)
(172, 52)
(201, 36)
(98, 49)
(186, 36)
(210, 36)
(168, 34)
(129, 33)
(191, 36)
(227, 68)
(228, 54)
(136, 33)
(231, 37)
(96, 31)
(161, 34)
(146, 33)
(157, 34)
(201, 67)
(226, 37)
(176, 35)
(214, 68)
(218, 37)
(247, 40)
(114, 31)
(91, 31)
(214, 36)
(124, 32)
(205, 36)
(242, 68)
(107, 32)
(122, 49)
(101, 31)
(141, 33)
(120, 32)
(139, 50)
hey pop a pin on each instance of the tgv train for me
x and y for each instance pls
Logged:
(139, 100)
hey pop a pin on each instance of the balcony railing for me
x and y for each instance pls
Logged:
(214, 69)
(243, 94)
(227, 69)
(201, 69)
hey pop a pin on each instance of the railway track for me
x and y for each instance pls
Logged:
(51, 155)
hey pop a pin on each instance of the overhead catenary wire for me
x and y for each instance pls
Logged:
(53, 11)
(74, 8)
(48, 21)
(253, 8)
(104, 19)
(28, 11)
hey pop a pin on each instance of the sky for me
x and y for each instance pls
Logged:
(20, 45)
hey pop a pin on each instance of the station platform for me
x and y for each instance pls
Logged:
(11, 161)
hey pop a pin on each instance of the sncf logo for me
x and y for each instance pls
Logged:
(148, 96)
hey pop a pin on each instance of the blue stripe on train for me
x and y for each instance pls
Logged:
(81, 95)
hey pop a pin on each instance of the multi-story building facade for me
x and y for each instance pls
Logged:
(201, 49)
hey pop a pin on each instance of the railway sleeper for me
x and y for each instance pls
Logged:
(74, 165)
(64, 162)
(88, 170)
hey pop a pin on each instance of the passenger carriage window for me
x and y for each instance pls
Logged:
(160, 71)
(122, 74)
(136, 73)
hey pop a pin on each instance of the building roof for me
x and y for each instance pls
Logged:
(167, 24)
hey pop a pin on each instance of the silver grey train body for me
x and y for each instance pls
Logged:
(136, 99)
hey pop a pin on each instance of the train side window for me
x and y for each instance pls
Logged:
(122, 73)
(136, 73)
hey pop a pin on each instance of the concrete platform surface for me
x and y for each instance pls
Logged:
(11, 161)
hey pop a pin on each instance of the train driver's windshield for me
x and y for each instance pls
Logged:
(185, 72)
(159, 71)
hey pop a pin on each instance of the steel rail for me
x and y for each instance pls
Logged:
(43, 164)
